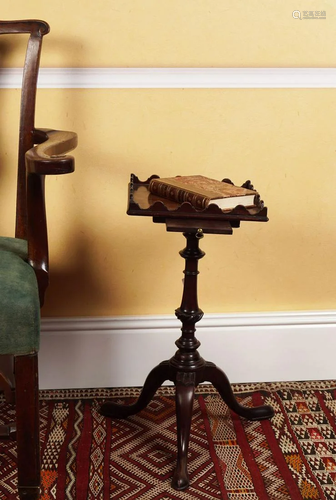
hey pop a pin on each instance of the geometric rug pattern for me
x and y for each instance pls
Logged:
(86, 456)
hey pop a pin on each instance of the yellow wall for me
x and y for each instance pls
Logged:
(182, 33)
(106, 263)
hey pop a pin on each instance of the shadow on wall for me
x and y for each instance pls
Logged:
(71, 279)
(74, 284)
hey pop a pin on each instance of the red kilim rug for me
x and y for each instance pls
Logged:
(86, 456)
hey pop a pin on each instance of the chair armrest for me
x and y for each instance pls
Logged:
(46, 158)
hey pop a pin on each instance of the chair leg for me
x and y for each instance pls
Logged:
(27, 423)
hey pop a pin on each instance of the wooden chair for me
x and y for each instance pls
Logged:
(24, 260)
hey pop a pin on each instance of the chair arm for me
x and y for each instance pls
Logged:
(46, 158)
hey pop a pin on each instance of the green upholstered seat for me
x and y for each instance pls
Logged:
(19, 300)
(15, 245)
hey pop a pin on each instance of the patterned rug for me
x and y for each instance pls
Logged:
(85, 456)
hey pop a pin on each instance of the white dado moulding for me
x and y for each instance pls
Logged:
(249, 347)
(158, 78)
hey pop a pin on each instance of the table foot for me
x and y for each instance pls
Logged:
(29, 492)
(213, 374)
(154, 380)
(185, 389)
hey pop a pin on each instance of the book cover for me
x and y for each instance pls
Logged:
(200, 191)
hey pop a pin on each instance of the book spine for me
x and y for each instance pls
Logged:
(179, 195)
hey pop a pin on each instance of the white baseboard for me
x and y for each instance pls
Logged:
(116, 78)
(120, 351)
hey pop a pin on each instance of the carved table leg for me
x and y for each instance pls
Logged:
(153, 381)
(29, 493)
(213, 374)
(185, 389)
